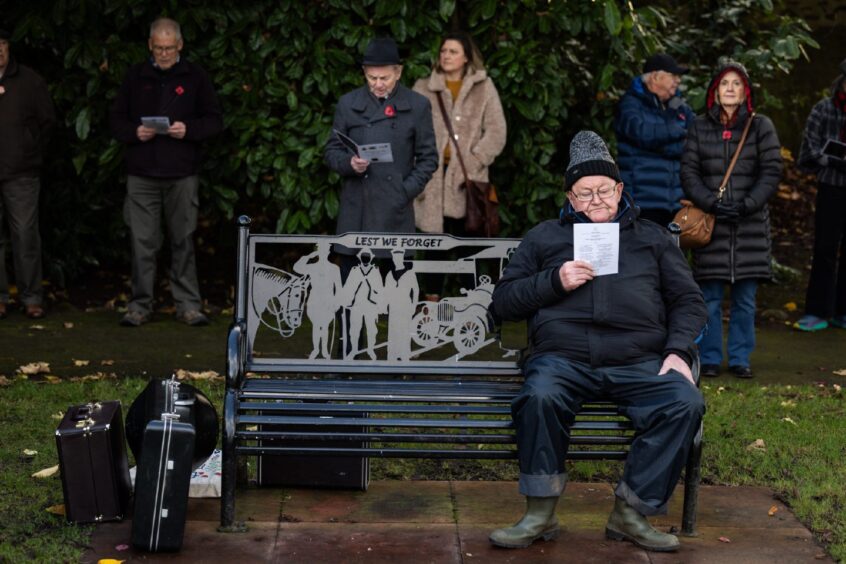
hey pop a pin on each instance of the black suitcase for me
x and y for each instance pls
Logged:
(91, 445)
(162, 484)
(185, 400)
(340, 472)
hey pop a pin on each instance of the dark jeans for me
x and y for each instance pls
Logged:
(147, 200)
(19, 206)
(665, 410)
(826, 296)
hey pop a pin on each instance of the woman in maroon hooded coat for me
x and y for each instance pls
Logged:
(739, 251)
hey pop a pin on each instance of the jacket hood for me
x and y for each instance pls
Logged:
(710, 99)
(626, 213)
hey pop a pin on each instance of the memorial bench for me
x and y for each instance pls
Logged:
(435, 382)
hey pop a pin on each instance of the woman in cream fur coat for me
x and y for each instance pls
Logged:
(473, 107)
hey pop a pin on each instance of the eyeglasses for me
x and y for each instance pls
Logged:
(604, 192)
(164, 49)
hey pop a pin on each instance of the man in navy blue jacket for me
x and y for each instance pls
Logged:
(163, 166)
(651, 127)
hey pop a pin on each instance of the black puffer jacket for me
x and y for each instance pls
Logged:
(650, 308)
(737, 250)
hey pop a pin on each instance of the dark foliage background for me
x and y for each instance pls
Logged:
(279, 67)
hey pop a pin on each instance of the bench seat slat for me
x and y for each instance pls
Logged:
(418, 453)
(446, 423)
(305, 408)
(486, 438)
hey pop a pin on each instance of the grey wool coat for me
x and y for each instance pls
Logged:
(380, 200)
(479, 122)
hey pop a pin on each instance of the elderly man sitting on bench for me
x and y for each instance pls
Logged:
(626, 337)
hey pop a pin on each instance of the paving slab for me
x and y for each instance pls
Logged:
(410, 522)
(384, 502)
(373, 543)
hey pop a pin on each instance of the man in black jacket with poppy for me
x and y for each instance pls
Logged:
(163, 162)
(627, 337)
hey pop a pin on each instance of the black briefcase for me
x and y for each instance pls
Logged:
(91, 445)
(340, 472)
(161, 485)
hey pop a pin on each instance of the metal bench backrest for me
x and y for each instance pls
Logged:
(295, 305)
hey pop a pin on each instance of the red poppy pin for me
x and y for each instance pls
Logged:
(390, 111)
(726, 135)
(180, 91)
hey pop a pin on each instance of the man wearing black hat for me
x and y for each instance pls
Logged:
(378, 196)
(26, 120)
(651, 127)
(627, 336)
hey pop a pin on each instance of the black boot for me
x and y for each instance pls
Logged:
(538, 522)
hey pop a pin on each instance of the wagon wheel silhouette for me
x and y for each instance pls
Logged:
(424, 328)
(469, 335)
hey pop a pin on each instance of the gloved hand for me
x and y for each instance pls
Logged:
(728, 212)
(675, 102)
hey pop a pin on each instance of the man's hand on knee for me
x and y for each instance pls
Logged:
(675, 362)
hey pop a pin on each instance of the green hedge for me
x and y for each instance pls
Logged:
(280, 66)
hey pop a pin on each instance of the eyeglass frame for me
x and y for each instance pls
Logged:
(164, 49)
(595, 193)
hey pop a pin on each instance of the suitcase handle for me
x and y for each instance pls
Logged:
(83, 412)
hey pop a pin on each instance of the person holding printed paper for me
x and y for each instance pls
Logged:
(628, 337)
(163, 167)
(378, 196)
(825, 301)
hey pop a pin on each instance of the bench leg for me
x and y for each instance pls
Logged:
(228, 476)
(692, 477)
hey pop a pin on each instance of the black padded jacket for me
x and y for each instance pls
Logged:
(652, 307)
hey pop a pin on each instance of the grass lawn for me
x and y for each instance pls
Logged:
(801, 457)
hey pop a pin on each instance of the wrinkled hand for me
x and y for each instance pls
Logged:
(574, 273)
(728, 212)
(177, 130)
(358, 164)
(145, 133)
(677, 363)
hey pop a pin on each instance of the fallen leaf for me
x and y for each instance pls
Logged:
(107, 362)
(189, 375)
(37, 327)
(58, 415)
(757, 445)
(57, 509)
(788, 403)
(68, 324)
(836, 387)
(790, 306)
(34, 368)
(773, 510)
(29, 452)
(46, 473)
(789, 420)
(122, 547)
(51, 379)
(81, 362)
(724, 539)
(189, 355)
(109, 561)
(841, 372)
(4, 381)
(97, 376)
(721, 389)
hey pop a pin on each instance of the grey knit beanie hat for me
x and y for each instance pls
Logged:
(589, 156)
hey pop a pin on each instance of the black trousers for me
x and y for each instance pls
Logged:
(826, 296)
(665, 410)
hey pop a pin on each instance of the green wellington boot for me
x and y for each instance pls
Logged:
(625, 523)
(538, 522)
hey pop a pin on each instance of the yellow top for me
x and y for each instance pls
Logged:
(454, 87)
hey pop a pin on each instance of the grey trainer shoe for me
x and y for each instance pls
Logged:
(134, 319)
(193, 317)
